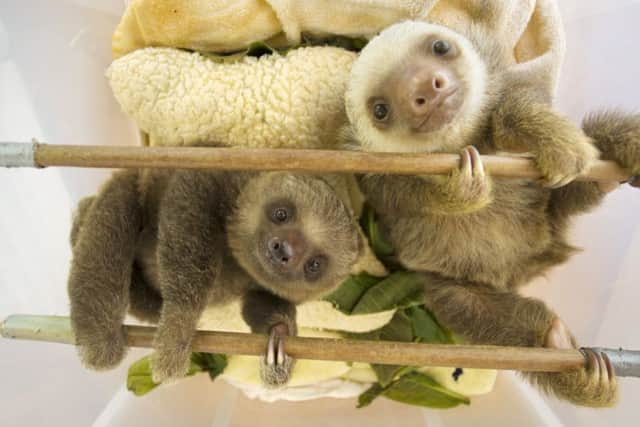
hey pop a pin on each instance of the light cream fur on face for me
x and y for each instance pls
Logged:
(391, 49)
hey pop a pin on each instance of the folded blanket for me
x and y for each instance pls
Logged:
(532, 29)
(228, 25)
(184, 98)
(289, 100)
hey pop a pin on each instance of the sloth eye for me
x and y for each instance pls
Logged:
(380, 111)
(280, 215)
(441, 47)
(314, 266)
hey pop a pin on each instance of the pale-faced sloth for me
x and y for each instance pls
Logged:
(419, 87)
(167, 244)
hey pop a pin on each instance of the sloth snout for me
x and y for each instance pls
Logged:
(280, 250)
(426, 89)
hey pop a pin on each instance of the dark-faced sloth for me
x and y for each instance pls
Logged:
(167, 244)
(419, 87)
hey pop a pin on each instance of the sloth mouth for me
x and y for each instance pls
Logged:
(274, 262)
(440, 114)
(271, 262)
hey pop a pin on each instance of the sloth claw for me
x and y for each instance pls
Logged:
(471, 165)
(594, 385)
(271, 349)
(276, 365)
(469, 188)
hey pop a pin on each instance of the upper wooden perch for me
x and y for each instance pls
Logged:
(92, 156)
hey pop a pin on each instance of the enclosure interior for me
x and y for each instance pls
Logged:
(52, 87)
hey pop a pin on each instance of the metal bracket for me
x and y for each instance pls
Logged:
(626, 363)
(18, 154)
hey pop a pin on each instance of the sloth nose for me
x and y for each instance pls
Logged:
(440, 82)
(426, 87)
(281, 250)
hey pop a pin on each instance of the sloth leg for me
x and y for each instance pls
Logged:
(484, 315)
(190, 241)
(145, 303)
(575, 198)
(103, 254)
(561, 150)
(79, 217)
(266, 313)
(617, 136)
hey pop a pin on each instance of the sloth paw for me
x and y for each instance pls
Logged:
(618, 136)
(561, 162)
(170, 364)
(468, 188)
(276, 365)
(103, 351)
(595, 385)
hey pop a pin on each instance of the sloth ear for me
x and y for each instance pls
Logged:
(367, 262)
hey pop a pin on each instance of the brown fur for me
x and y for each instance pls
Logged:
(476, 239)
(167, 244)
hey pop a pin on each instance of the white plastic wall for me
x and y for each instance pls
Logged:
(52, 59)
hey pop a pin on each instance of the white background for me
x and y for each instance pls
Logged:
(52, 59)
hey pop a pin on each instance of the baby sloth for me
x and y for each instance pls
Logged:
(419, 87)
(168, 243)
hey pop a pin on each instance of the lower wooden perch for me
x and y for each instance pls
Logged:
(626, 363)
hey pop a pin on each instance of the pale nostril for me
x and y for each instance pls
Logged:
(420, 101)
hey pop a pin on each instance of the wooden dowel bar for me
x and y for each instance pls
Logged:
(58, 329)
(625, 362)
(232, 159)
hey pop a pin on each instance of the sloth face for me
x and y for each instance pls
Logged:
(293, 235)
(425, 94)
(413, 84)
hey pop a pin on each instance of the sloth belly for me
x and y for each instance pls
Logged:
(489, 246)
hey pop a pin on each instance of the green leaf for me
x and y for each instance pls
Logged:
(139, 377)
(354, 44)
(214, 364)
(412, 300)
(426, 328)
(369, 224)
(388, 373)
(399, 287)
(350, 291)
(140, 382)
(398, 329)
(257, 49)
(418, 389)
(370, 395)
